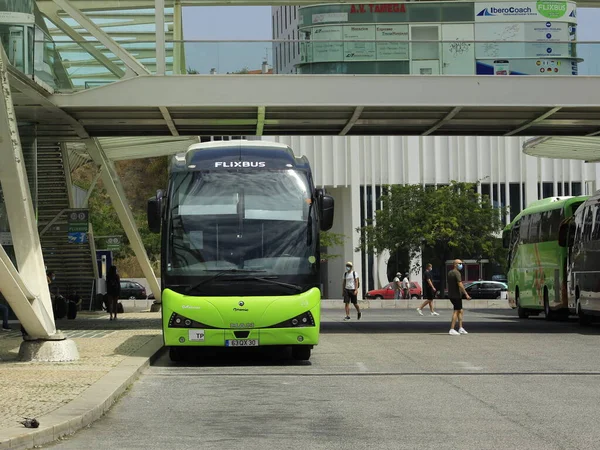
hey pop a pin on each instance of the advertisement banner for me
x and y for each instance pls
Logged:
(330, 17)
(327, 51)
(394, 42)
(354, 50)
(525, 11)
(528, 66)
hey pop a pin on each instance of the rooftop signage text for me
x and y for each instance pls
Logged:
(378, 8)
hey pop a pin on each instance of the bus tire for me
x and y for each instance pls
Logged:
(176, 354)
(550, 315)
(584, 319)
(301, 352)
(521, 312)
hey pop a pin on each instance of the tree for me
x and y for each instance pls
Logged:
(329, 239)
(453, 221)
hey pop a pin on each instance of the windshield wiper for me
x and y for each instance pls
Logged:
(271, 280)
(309, 225)
(220, 273)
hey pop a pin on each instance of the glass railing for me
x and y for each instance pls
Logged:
(81, 65)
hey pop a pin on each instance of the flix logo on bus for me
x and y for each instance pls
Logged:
(234, 164)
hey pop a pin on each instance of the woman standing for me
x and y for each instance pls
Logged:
(113, 290)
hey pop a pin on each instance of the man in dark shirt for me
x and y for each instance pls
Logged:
(455, 291)
(428, 291)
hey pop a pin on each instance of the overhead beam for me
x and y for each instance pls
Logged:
(355, 116)
(34, 92)
(473, 91)
(260, 121)
(534, 121)
(102, 37)
(169, 120)
(51, 14)
(443, 121)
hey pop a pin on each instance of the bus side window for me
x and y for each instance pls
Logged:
(596, 232)
(535, 228)
(524, 232)
(587, 225)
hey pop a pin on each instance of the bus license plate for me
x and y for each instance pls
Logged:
(241, 343)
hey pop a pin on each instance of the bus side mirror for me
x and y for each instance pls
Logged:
(155, 212)
(506, 238)
(326, 212)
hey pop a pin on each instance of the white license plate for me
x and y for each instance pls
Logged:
(241, 343)
(196, 335)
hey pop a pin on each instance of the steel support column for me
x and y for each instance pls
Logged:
(25, 289)
(161, 61)
(113, 186)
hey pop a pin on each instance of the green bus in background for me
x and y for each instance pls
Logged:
(240, 262)
(537, 264)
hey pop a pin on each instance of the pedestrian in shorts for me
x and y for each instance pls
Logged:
(455, 293)
(428, 291)
(351, 283)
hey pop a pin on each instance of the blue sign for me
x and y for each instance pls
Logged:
(549, 50)
(548, 35)
(77, 237)
(548, 24)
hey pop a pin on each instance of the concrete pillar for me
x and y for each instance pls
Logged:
(113, 186)
(25, 288)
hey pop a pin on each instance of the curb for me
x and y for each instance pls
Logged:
(92, 404)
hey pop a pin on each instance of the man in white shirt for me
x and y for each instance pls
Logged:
(350, 284)
(406, 286)
(397, 284)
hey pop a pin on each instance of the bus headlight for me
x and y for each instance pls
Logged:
(303, 320)
(179, 321)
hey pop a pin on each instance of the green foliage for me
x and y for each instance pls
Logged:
(454, 221)
(329, 239)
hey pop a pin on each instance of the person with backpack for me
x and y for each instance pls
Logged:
(351, 283)
(406, 286)
(397, 284)
(113, 290)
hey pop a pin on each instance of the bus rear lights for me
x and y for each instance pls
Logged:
(179, 321)
(303, 320)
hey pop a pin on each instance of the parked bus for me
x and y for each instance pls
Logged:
(240, 258)
(537, 264)
(581, 236)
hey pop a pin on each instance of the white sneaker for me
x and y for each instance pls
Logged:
(453, 332)
(419, 311)
(462, 331)
(434, 314)
(347, 318)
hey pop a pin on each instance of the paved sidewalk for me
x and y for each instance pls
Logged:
(36, 389)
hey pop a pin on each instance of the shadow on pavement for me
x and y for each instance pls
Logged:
(229, 357)
(134, 343)
(101, 322)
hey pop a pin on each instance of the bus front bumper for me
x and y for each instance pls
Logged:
(241, 338)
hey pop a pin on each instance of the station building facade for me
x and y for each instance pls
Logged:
(428, 38)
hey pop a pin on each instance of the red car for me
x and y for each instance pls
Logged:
(387, 292)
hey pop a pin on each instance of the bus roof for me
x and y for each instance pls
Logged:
(547, 204)
(215, 154)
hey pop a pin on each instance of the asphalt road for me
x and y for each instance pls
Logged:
(394, 380)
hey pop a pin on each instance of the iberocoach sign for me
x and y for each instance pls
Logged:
(525, 11)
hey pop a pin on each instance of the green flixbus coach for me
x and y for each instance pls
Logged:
(240, 262)
(537, 263)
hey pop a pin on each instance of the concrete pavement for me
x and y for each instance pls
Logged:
(67, 396)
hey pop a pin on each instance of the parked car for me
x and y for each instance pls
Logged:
(132, 290)
(500, 278)
(484, 289)
(387, 292)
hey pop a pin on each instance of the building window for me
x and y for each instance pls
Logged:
(276, 24)
(295, 11)
(559, 188)
(576, 188)
(273, 26)
(293, 44)
(547, 190)
(285, 12)
(515, 200)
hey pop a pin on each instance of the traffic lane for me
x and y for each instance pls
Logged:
(359, 391)
(357, 412)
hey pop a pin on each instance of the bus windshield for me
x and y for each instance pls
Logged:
(259, 222)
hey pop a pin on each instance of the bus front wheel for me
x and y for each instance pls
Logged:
(301, 352)
(521, 311)
(584, 319)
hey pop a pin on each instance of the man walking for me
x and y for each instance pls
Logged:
(455, 291)
(406, 286)
(397, 283)
(351, 283)
(428, 291)
(4, 311)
